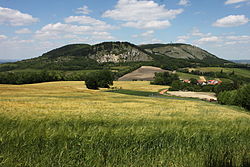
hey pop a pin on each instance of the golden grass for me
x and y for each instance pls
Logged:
(139, 85)
(72, 99)
(65, 124)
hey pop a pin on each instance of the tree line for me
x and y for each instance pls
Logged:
(38, 77)
(229, 93)
(232, 76)
(239, 97)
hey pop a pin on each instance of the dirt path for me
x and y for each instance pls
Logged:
(199, 95)
(202, 78)
(163, 91)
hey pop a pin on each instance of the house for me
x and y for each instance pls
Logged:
(186, 81)
(201, 82)
(214, 82)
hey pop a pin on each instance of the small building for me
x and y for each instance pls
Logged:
(214, 82)
(186, 81)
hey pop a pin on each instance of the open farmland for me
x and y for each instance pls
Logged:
(65, 124)
(237, 71)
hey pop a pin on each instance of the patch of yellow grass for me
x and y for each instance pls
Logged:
(69, 100)
(139, 85)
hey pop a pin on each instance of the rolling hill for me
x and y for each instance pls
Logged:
(182, 51)
(110, 54)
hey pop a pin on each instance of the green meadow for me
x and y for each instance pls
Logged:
(63, 124)
(237, 71)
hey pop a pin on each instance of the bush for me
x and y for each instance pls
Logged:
(224, 86)
(29, 77)
(100, 79)
(177, 85)
(240, 97)
(193, 81)
(243, 97)
(164, 78)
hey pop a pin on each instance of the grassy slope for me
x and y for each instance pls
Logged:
(187, 76)
(237, 71)
(64, 124)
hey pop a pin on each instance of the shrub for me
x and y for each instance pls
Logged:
(240, 97)
(100, 79)
(243, 97)
(164, 78)
(177, 85)
(225, 86)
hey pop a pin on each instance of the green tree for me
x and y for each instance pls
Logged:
(240, 97)
(193, 81)
(164, 78)
(225, 86)
(100, 79)
(177, 85)
(243, 97)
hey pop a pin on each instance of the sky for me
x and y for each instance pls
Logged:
(29, 28)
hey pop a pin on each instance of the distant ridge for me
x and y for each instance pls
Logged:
(7, 60)
(106, 54)
(241, 61)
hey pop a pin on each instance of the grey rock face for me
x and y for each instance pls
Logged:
(118, 52)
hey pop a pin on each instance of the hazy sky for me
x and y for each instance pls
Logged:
(29, 28)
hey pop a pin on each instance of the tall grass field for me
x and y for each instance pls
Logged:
(63, 124)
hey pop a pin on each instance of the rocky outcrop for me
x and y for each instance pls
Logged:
(118, 52)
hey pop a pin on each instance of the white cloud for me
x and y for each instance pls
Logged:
(231, 21)
(208, 40)
(224, 40)
(196, 32)
(83, 10)
(184, 2)
(182, 39)
(147, 34)
(234, 1)
(15, 18)
(141, 13)
(237, 6)
(3, 37)
(243, 39)
(60, 30)
(54, 30)
(102, 36)
(154, 24)
(86, 20)
(23, 31)
(154, 40)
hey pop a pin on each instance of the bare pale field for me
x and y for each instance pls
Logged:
(145, 73)
(65, 124)
(199, 95)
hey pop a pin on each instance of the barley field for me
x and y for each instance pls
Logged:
(63, 124)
